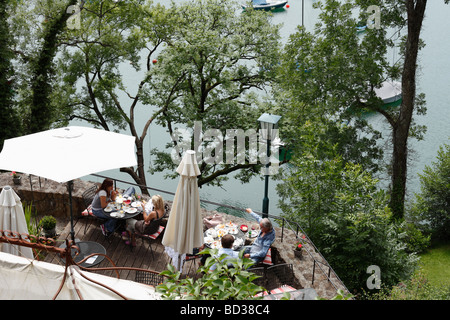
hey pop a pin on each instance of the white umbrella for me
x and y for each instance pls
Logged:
(68, 153)
(184, 230)
(12, 218)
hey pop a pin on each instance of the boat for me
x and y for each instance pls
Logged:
(265, 4)
(389, 92)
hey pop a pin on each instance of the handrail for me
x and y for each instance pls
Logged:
(283, 220)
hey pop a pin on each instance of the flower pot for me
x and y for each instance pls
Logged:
(49, 233)
(298, 254)
(17, 180)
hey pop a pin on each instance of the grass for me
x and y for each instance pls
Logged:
(435, 264)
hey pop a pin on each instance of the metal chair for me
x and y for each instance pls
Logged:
(149, 238)
(88, 196)
(149, 277)
(259, 271)
(279, 275)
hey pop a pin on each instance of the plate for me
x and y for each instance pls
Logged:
(255, 233)
(230, 224)
(216, 244)
(233, 230)
(108, 209)
(221, 233)
(244, 228)
(136, 204)
(211, 233)
(131, 210)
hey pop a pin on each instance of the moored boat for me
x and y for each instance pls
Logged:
(265, 4)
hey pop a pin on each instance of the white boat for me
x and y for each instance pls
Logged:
(390, 91)
(265, 4)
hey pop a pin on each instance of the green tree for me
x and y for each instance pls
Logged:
(431, 207)
(91, 85)
(10, 124)
(348, 219)
(42, 115)
(210, 71)
(333, 68)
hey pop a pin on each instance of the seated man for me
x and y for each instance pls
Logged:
(227, 245)
(258, 250)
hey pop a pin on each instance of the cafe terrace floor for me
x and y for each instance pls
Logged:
(120, 253)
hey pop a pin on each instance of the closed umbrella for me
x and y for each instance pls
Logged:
(184, 230)
(68, 153)
(12, 218)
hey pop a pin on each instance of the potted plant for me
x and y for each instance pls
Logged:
(48, 224)
(298, 250)
(16, 177)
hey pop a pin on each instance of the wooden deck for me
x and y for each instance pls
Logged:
(121, 254)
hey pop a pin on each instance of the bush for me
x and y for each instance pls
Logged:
(224, 283)
(431, 208)
(348, 219)
(48, 222)
(417, 288)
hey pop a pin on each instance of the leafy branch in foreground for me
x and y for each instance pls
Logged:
(231, 280)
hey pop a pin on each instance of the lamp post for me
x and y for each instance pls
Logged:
(269, 127)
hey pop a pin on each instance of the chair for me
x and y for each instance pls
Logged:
(280, 275)
(259, 271)
(149, 277)
(192, 258)
(149, 238)
(88, 196)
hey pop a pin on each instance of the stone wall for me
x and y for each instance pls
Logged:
(49, 197)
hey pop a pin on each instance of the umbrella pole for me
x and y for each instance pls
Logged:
(69, 188)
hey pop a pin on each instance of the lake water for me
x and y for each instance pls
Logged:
(433, 80)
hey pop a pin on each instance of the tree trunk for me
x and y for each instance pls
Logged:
(402, 125)
(139, 176)
(41, 116)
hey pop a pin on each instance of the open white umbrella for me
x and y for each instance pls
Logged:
(68, 153)
(184, 230)
(12, 218)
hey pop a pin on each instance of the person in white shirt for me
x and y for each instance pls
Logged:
(104, 195)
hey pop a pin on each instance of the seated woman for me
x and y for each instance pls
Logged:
(258, 250)
(153, 213)
(104, 195)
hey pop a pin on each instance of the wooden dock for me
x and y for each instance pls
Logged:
(120, 253)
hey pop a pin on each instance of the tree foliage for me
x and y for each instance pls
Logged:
(210, 70)
(431, 208)
(348, 219)
(226, 282)
(333, 70)
(10, 124)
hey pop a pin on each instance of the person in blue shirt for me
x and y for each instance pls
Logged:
(227, 245)
(258, 250)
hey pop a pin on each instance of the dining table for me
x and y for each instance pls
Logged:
(123, 208)
(213, 236)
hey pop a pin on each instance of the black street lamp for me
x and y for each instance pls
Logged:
(269, 127)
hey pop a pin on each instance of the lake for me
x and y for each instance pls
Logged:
(433, 80)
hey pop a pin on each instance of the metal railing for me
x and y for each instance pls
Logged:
(285, 223)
